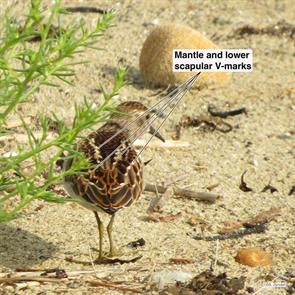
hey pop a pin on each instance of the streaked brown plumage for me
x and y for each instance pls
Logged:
(118, 182)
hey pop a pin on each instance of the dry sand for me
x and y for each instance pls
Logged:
(261, 142)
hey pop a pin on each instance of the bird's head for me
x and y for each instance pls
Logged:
(128, 111)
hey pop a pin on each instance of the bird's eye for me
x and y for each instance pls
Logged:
(147, 116)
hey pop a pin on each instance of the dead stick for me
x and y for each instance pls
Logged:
(86, 9)
(28, 279)
(200, 196)
(28, 272)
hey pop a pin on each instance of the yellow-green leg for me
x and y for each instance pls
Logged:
(100, 231)
(113, 251)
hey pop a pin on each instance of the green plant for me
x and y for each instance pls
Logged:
(25, 68)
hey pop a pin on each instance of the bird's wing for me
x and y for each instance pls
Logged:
(115, 184)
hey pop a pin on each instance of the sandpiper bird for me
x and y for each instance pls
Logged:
(115, 178)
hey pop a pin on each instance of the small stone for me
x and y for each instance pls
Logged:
(164, 278)
(155, 22)
(193, 220)
(253, 257)
(9, 154)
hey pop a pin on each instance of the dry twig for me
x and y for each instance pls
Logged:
(279, 29)
(106, 260)
(86, 9)
(262, 217)
(210, 123)
(178, 260)
(12, 280)
(256, 229)
(111, 285)
(199, 196)
(213, 112)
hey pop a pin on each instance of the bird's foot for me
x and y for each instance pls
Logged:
(108, 260)
(115, 253)
(102, 260)
(105, 258)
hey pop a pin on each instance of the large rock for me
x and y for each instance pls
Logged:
(156, 56)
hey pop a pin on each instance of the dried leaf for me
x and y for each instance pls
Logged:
(243, 186)
(181, 260)
(279, 29)
(265, 216)
(158, 218)
(138, 243)
(231, 227)
(106, 260)
(193, 220)
(57, 273)
(209, 283)
(223, 114)
(269, 188)
(292, 191)
(262, 217)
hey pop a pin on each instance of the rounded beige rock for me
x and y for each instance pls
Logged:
(156, 56)
(253, 257)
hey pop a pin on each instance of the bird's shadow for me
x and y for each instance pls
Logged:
(22, 249)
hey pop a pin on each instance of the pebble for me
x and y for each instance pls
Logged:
(164, 278)
(253, 257)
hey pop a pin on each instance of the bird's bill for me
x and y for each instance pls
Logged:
(158, 113)
(156, 133)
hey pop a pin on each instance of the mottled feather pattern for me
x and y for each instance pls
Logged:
(115, 178)
(119, 181)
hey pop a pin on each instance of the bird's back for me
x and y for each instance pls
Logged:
(115, 184)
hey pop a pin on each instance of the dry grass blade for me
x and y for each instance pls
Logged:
(86, 9)
(110, 285)
(106, 260)
(74, 273)
(178, 260)
(12, 280)
(199, 196)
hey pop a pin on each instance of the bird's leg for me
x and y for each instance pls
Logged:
(100, 231)
(113, 251)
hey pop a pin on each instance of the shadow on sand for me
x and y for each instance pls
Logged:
(22, 249)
